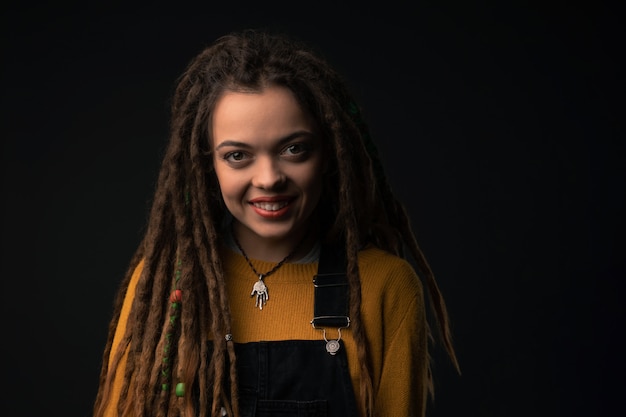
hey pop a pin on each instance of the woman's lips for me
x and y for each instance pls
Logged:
(271, 207)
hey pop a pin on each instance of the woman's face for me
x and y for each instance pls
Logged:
(268, 160)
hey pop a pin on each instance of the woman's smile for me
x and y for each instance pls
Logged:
(271, 207)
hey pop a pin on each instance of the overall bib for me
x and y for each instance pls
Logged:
(302, 378)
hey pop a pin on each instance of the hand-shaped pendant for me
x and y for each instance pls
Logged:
(261, 293)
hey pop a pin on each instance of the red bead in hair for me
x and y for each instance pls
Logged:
(176, 296)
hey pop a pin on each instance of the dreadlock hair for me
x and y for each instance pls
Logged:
(185, 340)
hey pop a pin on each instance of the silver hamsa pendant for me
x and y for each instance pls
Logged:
(260, 290)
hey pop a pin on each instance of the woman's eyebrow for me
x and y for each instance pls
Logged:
(232, 143)
(291, 136)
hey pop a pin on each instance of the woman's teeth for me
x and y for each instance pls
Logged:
(271, 206)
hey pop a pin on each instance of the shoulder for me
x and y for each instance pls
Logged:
(132, 289)
(379, 265)
(387, 275)
(136, 275)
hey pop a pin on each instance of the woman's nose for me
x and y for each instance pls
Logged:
(268, 174)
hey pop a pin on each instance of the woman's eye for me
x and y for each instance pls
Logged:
(234, 156)
(295, 149)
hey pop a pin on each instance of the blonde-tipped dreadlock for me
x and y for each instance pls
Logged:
(168, 343)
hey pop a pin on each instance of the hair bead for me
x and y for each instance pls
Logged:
(180, 389)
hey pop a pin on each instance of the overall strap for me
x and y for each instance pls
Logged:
(331, 307)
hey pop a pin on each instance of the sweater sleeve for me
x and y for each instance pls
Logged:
(116, 387)
(403, 383)
(403, 377)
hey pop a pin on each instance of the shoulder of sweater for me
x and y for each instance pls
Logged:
(373, 256)
(134, 279)
(385, 271)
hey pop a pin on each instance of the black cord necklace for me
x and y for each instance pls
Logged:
(259, 288)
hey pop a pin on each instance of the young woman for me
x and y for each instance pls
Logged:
(272, 278)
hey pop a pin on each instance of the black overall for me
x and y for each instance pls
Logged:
(299, 378)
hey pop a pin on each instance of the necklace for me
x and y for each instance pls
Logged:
(259, 288)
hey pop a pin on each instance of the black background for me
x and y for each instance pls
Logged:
(500, 126)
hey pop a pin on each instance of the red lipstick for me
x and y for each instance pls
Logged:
(271, 207)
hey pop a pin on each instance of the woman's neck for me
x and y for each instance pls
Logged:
(297, 245)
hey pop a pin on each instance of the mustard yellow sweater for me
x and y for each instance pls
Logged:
(392, 312)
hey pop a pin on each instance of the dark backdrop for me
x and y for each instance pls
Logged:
(500, 127)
